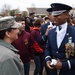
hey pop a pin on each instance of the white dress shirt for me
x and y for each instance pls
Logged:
(61, 33)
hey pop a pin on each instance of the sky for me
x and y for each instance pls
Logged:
(23, 4)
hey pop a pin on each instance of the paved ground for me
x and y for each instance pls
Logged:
(31, 69)
(32, 66)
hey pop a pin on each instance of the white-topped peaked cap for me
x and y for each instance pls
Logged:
(59, 8)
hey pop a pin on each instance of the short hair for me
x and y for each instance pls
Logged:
(37, 22)
(2, 33)
(46, 18)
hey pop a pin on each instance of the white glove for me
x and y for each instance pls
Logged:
(54, 62)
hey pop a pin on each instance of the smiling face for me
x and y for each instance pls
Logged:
(61, 19)
(13, 34)
(22, 27)
(10, 34)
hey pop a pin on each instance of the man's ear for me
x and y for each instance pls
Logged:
(7, 34)
(67, 15)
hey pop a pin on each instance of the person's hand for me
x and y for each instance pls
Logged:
(58, 65)
(46, 33)
(49, 66)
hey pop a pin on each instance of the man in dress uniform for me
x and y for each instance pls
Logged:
(60, 52)
(46, 27)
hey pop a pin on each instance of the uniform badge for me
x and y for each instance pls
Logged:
(67, 50)
(70, 48)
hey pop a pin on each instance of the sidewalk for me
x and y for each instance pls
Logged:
(32, 66)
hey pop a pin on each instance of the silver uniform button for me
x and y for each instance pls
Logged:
(56, 51)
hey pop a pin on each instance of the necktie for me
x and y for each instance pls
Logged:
(60, 28)
(52, 23)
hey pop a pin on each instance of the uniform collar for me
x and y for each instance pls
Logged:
(51, 23)
(63, 26)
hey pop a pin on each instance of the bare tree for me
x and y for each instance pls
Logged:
(17, 11)
(5, 9)
(25, 13)
(33, 8)
(14, 12)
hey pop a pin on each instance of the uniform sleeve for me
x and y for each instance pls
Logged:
(43, 37)
(48, 53)
(9, 67)
(69, 64)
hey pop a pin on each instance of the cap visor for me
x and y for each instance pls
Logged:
(56, 13)
(16, 25)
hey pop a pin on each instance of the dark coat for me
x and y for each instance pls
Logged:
(59, 53)
(27, 27)
(35, 36)
(43, 38)
(23, 44)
